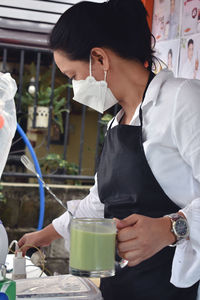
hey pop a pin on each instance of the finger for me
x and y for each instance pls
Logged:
(132, 256)
(126, 234)
(137, 259)
(22, 245)
(21, 242)
(134, 263)
(23, 250)
(129, 221)
(127, 246)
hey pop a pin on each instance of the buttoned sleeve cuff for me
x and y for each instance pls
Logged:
(61, 223)
(90, 207)
(186, 262)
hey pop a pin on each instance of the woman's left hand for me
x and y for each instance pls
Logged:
(141, 237)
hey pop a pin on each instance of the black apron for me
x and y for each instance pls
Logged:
(126, 185)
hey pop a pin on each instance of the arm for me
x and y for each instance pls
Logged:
(40, 238)
(90, 206)
(186, 130)
(140, 237)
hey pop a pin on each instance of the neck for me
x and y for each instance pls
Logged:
(133, 86)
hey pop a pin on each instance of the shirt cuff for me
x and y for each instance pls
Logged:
(186, 262)
(61, 223)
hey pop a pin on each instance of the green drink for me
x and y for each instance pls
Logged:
(92, 247)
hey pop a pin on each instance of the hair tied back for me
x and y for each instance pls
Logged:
(127, 5)
(113, 3)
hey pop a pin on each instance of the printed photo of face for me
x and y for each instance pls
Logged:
(169, 60)
(190, 51)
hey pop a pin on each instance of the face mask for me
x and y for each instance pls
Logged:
(93, 93)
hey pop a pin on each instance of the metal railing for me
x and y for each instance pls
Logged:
(19, 55)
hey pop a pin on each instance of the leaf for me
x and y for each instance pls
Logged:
(59, 122)
(59, 104)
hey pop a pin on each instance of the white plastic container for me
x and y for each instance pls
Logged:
(62, 287)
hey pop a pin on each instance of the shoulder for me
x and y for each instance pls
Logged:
(173, 84)
(188, 94)
(179, 91)
(189, 87)
(177, 84)
(186, 108)
(163, 87)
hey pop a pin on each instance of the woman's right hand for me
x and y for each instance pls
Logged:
(40, 238)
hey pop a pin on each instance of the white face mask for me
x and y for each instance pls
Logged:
(93, 93)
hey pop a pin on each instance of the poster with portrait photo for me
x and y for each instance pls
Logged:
(160, 19)
(166, 19)
(189, 57)
(190, 13)
(168, 53)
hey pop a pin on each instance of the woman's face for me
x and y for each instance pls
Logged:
(73, 69)
(76, 69)
(169, 60)
(190, 51)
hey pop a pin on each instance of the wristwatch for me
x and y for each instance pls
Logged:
(180, 228)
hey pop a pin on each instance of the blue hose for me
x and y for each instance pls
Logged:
(37, 167)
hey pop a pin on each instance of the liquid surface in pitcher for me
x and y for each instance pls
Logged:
(92, 251)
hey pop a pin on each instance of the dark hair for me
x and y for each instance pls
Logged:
(190, 42)
(170, 52)
(120, 25)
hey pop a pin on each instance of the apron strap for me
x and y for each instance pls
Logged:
(151, 76)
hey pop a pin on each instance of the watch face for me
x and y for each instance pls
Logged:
(181, 227)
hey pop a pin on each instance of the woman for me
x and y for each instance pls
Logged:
(149, 165)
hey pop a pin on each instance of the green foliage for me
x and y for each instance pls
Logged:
(44, 94)
(52, 162)
(44, 99)
(105, 119)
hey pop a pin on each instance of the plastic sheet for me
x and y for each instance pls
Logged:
(8, 120)
(62, 287)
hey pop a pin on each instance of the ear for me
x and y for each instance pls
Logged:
(100, 56)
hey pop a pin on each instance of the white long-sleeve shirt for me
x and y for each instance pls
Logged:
(171, 140)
